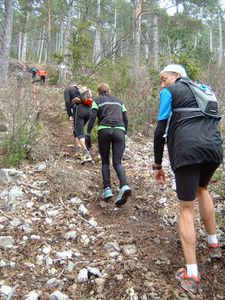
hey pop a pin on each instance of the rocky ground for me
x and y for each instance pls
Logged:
(60, 240)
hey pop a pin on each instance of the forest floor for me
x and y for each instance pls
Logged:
(135, 248)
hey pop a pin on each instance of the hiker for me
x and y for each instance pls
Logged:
(112, 128)
(70, 94)
(78, 114)
(82, 115)
(42, 74)
(195, 152)
(33, 73)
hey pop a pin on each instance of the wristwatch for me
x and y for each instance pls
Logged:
(156, 167)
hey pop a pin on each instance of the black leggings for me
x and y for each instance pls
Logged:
(116, 137)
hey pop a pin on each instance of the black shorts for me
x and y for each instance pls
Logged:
(189, 178)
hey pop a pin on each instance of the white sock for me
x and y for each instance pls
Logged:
(192, 270)
(212, 239)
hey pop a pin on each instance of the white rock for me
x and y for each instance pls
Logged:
(39, 259)
(84, 239)
(82, 276)
(82, 209)
(112, 246)
(15, 222)
(41, 167)
(15, 192)
(94, 271)
(6, 292)
(3, 219)
(47, 249)
(33, 295)
(70, 235)
(8, 175)
(70, 266)
(35, 237)
(29, 205)
(93, 223)
(64, 254)
(57, 295)
(48, 221)
(129, 250)
(6, 242)
(76, 201)
(48, 261)
(44, 207)
(53, 282)
(26, 228)
(53, 213)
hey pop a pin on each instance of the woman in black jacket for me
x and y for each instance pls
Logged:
(112, 128)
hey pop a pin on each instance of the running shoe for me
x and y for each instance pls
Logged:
(124, 193)
(188, 283)
(86, 158)
(107, 193)
(215, 250)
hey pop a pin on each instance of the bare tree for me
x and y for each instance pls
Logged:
(5, 39)
(97, 43)
(137, 35)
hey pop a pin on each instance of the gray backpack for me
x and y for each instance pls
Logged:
(206, 99)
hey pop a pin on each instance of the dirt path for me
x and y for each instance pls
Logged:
(149, 222)
(145, 249)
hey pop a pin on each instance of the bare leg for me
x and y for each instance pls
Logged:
(206, 209)
(187, 231)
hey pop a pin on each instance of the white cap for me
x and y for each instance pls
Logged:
(176, 69)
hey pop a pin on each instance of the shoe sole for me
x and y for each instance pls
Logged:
(106, 198)
(123, 199)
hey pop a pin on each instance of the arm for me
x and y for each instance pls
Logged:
(67, 102)
(159, 141)
(125, 118)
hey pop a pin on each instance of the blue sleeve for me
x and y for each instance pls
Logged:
(165, 106)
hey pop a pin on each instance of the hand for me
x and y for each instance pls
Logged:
(71, 120)
(88, 141)
(159, 176)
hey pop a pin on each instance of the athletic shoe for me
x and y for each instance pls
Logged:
(215, 250)
(124, 193)
(86, 158)
(107, 193)
(78, 155)
(188, 283)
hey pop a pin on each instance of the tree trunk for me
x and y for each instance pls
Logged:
(210, 40)
(41, 46)
(137, 36)
(24, 45)
(97, 42)
(48, 57)
(155, 43)
(19, 46)
(68, 30)
(5, 40)
(220, 42)
(114, 34)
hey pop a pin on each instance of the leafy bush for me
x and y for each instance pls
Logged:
(21, 116)
(16, 145)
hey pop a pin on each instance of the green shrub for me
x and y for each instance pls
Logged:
(18, 143)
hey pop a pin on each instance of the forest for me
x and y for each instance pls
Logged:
(54, 225)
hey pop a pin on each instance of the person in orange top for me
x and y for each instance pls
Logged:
(42, 74)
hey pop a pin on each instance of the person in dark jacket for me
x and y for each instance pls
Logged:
(195, 152)
(70, 94)
(112, 128)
